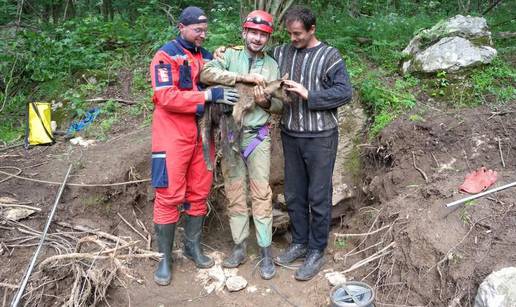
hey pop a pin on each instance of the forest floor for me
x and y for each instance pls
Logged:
(421, 253)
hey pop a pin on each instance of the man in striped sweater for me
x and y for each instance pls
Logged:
(320, 84)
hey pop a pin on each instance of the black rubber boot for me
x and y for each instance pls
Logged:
(294, 251)
(165, 238)
(312, 265)
(192, 242)
(267, 268)
(238, 256)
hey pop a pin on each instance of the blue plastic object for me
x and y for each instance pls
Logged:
(79, 125)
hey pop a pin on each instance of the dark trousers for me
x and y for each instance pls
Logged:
(309, 166)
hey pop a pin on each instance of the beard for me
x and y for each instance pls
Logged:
(254, 47)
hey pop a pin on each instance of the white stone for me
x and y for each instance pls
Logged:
(451, 54)
(16, 214)
(212, 279)
(82, 142)
(252, 289)
(335, 278)
(236, 283)
(498, 289)
(450, 45)
(230, 272)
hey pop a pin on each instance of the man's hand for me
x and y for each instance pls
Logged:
(252, 78)
(218, 54)
(293, 86)
(260, 98)
(227, 96)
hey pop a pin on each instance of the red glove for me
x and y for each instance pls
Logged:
(479, 180)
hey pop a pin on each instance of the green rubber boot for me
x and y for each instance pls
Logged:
(192, 242)
(165, 238)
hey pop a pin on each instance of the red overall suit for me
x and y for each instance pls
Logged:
(179, 172)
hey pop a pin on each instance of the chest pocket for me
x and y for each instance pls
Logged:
(185, 76)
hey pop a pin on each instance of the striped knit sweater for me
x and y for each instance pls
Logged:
(322, 71)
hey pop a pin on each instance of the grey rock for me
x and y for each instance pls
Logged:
(498, 289)
(450, 45)
(236, 283)
(451, 54)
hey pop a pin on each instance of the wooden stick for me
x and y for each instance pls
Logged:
(131, 226)
(501, 154)
(21, 206)
(100, 99)
(10, 286)
(435, 159)
(343, 235)
(365, 261)
(417, 168)
(142, 225)
(96, 257)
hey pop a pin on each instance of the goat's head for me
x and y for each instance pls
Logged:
(277, 89)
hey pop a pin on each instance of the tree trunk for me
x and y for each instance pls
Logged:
(69, 10)
(107, 10)
(354, 9)
(277, 8)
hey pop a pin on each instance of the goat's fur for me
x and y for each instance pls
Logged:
(231, 125)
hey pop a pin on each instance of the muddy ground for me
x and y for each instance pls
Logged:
(417, 253)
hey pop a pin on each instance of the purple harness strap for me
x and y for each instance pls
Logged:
(262, 134)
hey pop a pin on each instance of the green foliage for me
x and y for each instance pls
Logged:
(224, 28)
(465, 216)
(416, 118)
(497, 80)
(384, 103)
(341, 243)
(69, 61)
(487, 84)
(7, 12)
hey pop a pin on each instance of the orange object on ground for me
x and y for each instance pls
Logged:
(479, 180)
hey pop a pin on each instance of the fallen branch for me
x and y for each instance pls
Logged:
(82, 256)
(369, 230)
(142, 226)
(500, 150)
(20, 206)
(131, 226)
(100, 234)
(9, 176)
(343, 235)
(417, 168)
(10, 286)
(100, 99)
(379, 254)
(435, 159)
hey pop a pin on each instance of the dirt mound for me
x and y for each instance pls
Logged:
(438, 256)
(398, 237)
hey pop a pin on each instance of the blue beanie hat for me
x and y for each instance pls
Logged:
(192, 15)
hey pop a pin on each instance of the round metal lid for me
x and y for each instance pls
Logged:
(352, 294)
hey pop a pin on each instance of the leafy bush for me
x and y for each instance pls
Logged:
(382, 103)
(70, 61)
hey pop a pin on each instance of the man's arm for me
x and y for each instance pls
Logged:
(337, 94)
(215, 72)
(165, 77)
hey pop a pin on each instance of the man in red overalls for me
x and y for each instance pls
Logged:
(179, 173)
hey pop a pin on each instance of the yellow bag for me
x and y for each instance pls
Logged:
(38, 130)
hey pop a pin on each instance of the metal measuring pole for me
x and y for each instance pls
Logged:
(21, 289)
(460, 201)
